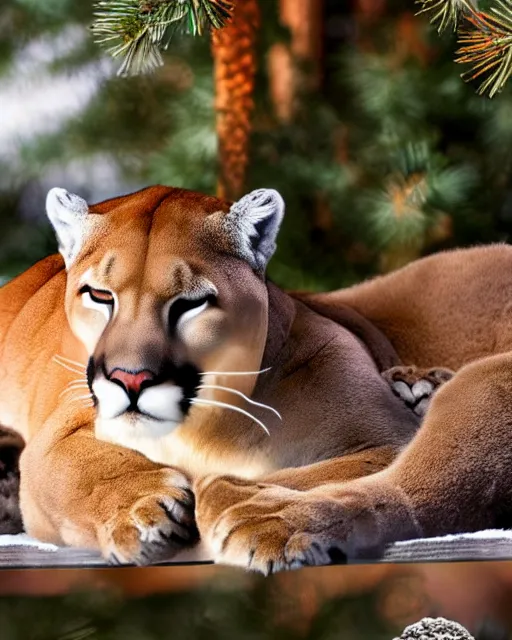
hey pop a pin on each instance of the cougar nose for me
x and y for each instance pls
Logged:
(131, 381)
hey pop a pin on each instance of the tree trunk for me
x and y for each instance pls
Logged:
(234, 55)
(304, 20)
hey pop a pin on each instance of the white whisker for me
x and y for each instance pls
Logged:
(224, 405)
(87, 395)
(242, 395)
(77, 364)
(74, 387)
(63, 364)
(83, 399)
(234, 373)
(72, 383)
(88, 404)
(76, 380)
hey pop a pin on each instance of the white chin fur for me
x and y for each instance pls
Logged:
(135, 432)
(160, 402)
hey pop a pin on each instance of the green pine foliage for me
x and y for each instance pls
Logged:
(257, 612)
(138, 31)
(420, 146)
(126, 123)
(188, 157)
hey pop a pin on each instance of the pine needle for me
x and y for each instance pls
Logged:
(445, 13)
(138, 30)
(485, 38)
(487, 46)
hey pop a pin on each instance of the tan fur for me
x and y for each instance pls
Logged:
(83, 480)
(453, 308)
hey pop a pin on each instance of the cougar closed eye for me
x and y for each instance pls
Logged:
(185, 308)
(98, 296)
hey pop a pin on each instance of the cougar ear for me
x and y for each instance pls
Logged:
(67, 213)
(253, 224)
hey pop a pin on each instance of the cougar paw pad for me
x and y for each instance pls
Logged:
(416, 387)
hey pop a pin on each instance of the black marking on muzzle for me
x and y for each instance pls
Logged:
(90, 371)
(186, 376)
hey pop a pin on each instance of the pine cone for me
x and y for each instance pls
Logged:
(435, 629)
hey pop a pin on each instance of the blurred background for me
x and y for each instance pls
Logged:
(363, 602)
(356, 112)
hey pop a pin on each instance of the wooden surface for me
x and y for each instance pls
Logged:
(21, 557)
(451, 550)
(437, 550)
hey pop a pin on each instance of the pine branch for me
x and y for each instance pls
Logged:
(445, 13)
(485, 39)
(138, 30)
(487, 46)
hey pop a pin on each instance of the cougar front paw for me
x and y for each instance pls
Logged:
(247, 524)
(156, 522)
(275, 529)
(267, 528)
(416, 386)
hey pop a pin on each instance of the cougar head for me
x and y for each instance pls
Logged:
(166, 291)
